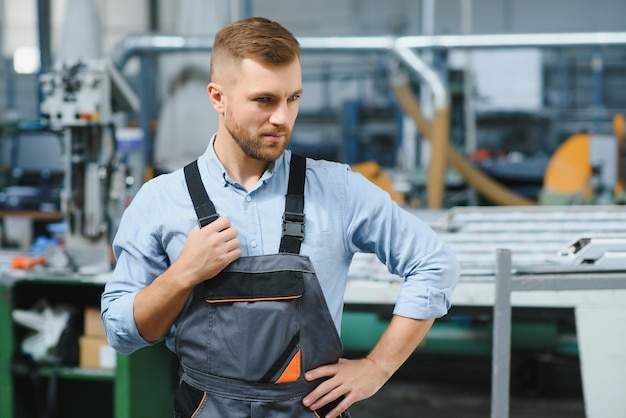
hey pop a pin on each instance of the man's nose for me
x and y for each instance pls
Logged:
(280, 115)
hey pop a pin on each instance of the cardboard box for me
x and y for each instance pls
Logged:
(93, 323)
(96, 353)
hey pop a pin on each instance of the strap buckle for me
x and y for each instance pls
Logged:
(293, 225)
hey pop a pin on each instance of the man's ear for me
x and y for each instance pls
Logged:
(215, 95)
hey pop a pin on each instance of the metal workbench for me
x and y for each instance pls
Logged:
(535, 238)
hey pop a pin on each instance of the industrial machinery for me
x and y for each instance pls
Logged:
(81, 99)
(586, 168)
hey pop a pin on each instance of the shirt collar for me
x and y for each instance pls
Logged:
(218, 172)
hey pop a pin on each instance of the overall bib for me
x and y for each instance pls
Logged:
(250, 333)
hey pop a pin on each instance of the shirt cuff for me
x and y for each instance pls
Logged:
(120, 327)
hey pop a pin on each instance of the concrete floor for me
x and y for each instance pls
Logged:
(400, 399)
(453, 388)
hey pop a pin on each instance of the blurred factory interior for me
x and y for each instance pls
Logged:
(499, 122)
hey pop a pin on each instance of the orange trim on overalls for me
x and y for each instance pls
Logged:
(199, 405)
(292, 371)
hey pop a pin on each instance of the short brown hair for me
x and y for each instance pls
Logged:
(256, 38)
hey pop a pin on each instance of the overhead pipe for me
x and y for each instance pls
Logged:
(156, 44)
(437, 166)
(402, 48)
(437, 132)
(439, 129)
(485, 185)
(514, 40)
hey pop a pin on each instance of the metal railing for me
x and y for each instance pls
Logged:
(506, 283)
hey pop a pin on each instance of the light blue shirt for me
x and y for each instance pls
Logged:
(345, 214)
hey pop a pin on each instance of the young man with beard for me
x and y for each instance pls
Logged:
(239, 261)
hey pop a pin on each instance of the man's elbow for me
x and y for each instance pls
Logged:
(121, 340)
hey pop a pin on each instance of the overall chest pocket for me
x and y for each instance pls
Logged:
(252, 319)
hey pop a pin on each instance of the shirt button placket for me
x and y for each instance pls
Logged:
(253, 243)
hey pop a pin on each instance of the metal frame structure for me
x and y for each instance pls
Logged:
(507, 282)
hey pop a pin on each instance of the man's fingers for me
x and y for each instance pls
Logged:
(218, 225)
(349, 381)
(208, 250)
(221, 231)
(322, 371)
(341, 407)
(325, 398)
(322, 394)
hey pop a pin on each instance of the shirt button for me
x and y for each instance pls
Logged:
(253, 244)
(248, 198)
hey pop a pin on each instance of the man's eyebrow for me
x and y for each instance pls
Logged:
(273, 95)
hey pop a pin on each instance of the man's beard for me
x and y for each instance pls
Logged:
(255, 147)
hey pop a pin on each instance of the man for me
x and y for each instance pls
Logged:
(251, 299)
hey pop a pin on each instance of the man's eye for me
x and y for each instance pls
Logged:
(295, 97)
(263, 99)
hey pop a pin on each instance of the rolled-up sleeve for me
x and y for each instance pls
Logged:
(408, 247)
(139, 260)
(120, 328)
(427, 290)
(117, 314)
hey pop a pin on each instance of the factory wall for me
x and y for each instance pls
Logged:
(373, 17)
(343, 17)
(120, 18)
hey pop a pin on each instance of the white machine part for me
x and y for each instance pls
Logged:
(604, 252)
(83, 93)
(81, 98)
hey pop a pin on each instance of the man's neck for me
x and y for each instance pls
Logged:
(239, 166)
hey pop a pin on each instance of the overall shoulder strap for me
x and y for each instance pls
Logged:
(293, 218)
(205, 210)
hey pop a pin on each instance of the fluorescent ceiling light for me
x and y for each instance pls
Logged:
(26, 60)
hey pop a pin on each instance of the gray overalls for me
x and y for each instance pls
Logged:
(250, 333)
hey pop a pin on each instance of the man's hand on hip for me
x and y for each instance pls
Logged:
(354, 379)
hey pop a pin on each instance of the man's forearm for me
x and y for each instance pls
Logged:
(398, 342)
(158, 305)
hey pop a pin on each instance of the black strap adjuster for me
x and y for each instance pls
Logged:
(205, 220)
(205, 210)
(293, 225)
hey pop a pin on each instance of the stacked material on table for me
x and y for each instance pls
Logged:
(537, 236)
